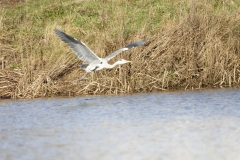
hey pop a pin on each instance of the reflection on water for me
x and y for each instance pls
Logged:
(172, 125)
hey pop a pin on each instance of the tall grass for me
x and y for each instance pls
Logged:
(191, 45)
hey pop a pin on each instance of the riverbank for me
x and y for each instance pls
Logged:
(190, 46)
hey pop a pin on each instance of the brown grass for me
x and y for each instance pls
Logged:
(198, 50)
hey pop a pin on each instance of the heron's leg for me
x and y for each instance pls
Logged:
(84, 76)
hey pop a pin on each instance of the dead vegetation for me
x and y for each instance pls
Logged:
(193, 52)
(9, 83)
(200, 51)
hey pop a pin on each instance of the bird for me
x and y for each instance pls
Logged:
(91, 61)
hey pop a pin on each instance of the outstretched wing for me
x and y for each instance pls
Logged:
(132, 45)
(79, 48)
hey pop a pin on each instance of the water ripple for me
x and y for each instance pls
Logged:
(170, 125)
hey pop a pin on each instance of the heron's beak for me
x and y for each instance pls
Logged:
(129, 61)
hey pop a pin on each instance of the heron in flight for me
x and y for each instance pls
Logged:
(93, 62)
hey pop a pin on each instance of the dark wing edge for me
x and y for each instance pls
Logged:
(79, 48)
(132, 45)
(135, 44)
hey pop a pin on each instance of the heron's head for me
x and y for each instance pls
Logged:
(123, 61)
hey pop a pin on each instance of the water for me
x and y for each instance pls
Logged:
(195, 125)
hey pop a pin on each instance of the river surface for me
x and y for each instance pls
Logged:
(182, 125)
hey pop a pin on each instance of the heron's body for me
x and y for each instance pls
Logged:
(93, 62)
(98, 65)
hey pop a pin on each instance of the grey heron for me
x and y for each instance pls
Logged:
(93, 62)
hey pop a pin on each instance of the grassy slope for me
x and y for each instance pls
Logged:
(190, 45)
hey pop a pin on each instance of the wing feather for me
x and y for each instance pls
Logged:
(79, 48)
(132, 45)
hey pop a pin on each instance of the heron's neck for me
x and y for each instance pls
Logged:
(112, 65)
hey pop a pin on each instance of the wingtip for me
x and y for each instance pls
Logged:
(143, 41)
(135, 44)
(57, 29)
